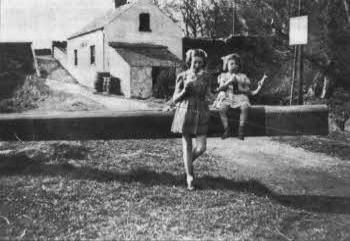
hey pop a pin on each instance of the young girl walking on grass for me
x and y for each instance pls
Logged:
(234, 91)
(191, 97)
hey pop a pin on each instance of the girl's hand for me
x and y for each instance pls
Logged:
(188, 86)
(232, 80)
(221, 88)
(264, 77)
(168, 108)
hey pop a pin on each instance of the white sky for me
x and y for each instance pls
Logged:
(42, 21)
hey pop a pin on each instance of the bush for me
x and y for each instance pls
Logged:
(9, 83)
(26, 97)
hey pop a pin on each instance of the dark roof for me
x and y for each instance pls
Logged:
(145, 54)
(136, 45)
(101, 21)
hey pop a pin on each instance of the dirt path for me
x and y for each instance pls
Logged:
(113, 103)
(283, 168)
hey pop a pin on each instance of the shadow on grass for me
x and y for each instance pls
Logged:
(321, 204)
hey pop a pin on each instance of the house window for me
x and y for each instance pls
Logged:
(75, 57)
(145, 22)
(92, 54)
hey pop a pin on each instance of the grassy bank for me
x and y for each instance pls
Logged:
(134, 190)
(35, 95)
(337, 144)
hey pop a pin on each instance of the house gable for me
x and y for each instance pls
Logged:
(100, 22)
(127, 24)
(109, 17)
(162, 29)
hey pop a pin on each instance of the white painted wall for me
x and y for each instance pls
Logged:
(60, 56)
(85, 73)
(125, 28)
(119, 68)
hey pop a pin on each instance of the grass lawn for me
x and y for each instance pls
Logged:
(135, 190)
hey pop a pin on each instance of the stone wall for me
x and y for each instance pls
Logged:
(141, 82)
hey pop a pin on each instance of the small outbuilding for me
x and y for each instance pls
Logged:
(133, 43)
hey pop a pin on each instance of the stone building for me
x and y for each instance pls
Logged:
(132, 42)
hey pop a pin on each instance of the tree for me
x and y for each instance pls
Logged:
(329, 28)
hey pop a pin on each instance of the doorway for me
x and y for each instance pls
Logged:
(163, 81)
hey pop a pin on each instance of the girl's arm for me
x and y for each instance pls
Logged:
(224, 86)
(209, 96)
(180, 90)
(260, 84)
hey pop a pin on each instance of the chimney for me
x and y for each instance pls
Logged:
(118, 3)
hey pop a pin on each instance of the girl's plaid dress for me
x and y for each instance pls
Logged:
(230, 97)
(192, 111)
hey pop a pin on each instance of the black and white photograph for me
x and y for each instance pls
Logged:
(175, 120)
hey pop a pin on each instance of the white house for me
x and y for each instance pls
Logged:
(130, 42)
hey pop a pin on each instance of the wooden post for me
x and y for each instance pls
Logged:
(301, 78)
(294, 74)
(35, 61)
(301, 65)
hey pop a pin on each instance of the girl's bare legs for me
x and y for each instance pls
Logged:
(187, 157)
(200, 147)
(243, 120)
(224, 120)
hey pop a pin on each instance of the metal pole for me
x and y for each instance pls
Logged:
(233, 17)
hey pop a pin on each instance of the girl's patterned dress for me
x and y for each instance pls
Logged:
(192, 111)
(229, 97)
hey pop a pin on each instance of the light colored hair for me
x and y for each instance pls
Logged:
(229, 57)
(190, 54)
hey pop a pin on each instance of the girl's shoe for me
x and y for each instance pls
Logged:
(226, 134)
(241, 133)
(190, 186)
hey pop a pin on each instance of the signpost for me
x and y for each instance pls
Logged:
(298, 30)
(233, 17)
(298, 36)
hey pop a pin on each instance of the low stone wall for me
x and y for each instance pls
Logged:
(263, 121)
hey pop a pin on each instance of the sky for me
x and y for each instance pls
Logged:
(41, 21)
